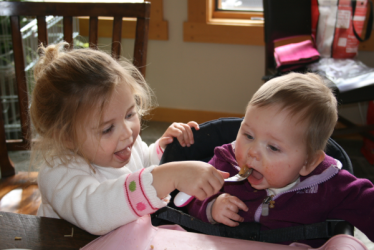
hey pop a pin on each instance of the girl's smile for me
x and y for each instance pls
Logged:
(124, 154)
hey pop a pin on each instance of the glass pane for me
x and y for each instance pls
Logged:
(8, 86)
(240, 5)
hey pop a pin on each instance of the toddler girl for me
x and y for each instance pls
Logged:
(282, 139)
(96, 172)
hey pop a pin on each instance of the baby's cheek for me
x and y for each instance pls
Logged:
(273, 173)
(239, 156)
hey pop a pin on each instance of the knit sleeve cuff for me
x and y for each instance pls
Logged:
(159, 150)
(209, 212)
(141, 195)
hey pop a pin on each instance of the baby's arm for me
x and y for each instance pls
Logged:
(225, 210)
(181, 131)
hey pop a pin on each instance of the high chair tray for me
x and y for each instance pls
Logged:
(141, 235)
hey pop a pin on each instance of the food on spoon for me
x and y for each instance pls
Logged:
(243, 170)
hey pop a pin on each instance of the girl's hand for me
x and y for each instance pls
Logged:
(181, 131)
(195, 178)
(225, 210)
(199, 179)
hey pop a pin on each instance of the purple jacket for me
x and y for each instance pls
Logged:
(326, 193)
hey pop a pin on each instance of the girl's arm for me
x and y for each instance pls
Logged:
(94, 203)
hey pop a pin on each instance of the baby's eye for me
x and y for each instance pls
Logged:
(249, 136)
(275, 149)
(108, 130)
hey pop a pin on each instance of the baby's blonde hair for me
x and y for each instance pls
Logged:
(306, 95)
(69, 86)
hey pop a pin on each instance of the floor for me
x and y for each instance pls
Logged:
(153, 130)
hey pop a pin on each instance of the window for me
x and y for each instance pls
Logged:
(238, 9)
(239, 5)
(209, 24)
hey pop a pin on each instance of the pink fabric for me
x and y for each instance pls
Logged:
(159, 150)
(141, 235)
(302, 52)
(136, 196)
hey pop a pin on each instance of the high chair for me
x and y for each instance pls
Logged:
(222, 131)
(40, 10)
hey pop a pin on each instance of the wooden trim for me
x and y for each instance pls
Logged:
(229, 34)
(202, 26)
(158, 27)
(182, 115)
(236, 15)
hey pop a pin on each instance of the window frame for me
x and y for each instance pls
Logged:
(203, 26)
(158, 27)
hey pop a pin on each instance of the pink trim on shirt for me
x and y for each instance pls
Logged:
(136, 197)
(159, 150)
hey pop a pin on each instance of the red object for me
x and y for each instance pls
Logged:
(315, 17)
(368, 148)
(345, 43)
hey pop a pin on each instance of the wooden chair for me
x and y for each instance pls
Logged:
(140, 11)
(292, 18)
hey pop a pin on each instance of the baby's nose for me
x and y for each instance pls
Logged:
(254, 153)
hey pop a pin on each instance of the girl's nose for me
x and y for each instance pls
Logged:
(125, 131)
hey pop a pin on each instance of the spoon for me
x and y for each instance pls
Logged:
(182, 199)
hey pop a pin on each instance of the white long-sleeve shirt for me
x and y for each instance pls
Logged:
(101, 201)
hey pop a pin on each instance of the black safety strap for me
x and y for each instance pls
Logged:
(252, 230)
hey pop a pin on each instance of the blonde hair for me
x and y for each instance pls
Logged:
(69, 85)
(306, 95)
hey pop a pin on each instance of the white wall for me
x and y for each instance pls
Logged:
(208, 76)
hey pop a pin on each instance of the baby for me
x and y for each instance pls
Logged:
(282, 139)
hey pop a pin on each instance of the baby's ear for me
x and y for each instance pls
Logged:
(312, 163)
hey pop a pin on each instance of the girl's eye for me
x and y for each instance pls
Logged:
(128, 116)
(272, 148)
(106, 131)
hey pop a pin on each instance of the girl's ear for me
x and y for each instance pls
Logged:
(312, 163)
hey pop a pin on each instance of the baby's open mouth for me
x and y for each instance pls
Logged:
(257, 175)
(124, 154)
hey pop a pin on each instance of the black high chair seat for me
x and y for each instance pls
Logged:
(222, 131)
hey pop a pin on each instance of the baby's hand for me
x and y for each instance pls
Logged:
(225, 210)
(181, 131)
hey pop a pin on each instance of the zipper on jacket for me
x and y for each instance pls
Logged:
(258, 212)
(268, 202)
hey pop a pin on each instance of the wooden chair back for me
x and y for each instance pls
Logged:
(140, 11)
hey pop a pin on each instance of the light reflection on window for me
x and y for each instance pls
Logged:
(240, 5)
